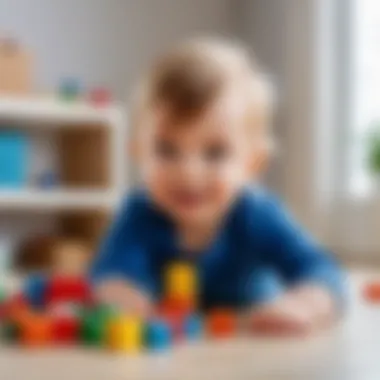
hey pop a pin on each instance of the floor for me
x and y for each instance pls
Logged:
(350, 352)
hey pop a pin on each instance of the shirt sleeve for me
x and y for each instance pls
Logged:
(123, 252)
(296, 256)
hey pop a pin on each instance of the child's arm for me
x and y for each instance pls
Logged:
(315, 281)
(121, 270)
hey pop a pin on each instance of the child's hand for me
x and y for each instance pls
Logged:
(124, 295)
(299, 313)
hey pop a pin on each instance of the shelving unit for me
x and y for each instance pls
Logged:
(90, 144)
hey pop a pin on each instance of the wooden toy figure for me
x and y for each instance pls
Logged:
(125, 334)
(68, 284)
(181, 284)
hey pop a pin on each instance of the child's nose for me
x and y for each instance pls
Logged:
(191, 169)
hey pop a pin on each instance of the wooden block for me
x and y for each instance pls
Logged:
(125, 334)
(157, 335)
(371, 292)
(66, 330)
(15, 68)
(221, 323)
(36, 330)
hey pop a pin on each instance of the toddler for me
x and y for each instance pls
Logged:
(201, 138)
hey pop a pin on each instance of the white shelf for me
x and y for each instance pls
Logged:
(54, 111)
(68, 200)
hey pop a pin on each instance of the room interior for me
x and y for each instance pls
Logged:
(71, 166)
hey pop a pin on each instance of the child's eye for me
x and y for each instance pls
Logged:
(216, 153)
(166, 150)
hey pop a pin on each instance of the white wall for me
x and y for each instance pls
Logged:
(262, 25)
(106, 41)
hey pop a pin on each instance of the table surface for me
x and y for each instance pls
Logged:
(349, 352)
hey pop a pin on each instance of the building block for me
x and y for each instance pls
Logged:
(125, 334)
(66, 329)
(157, 335)
(371, 292)
(94, 324)
(221, 323)
(36, 330)
(193, 327)
(181, 281)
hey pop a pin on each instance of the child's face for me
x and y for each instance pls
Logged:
(194, 171)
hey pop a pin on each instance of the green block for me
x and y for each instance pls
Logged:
(94, 324)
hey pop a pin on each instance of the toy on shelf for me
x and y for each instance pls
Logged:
(100, 97)
(16, 68)
(70, 89)
(371, 292)
(48, 180)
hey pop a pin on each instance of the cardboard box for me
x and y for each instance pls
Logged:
(15, 68)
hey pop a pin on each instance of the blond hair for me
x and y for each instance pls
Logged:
(191, 77)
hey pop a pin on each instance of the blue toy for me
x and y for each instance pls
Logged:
(193, 327)
(34, 290)
(70, 89)
(157, 335)
(14, 152)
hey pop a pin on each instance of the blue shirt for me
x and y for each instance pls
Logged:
(257, 246)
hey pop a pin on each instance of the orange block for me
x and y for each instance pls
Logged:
(221, 323)
(371, 292)
(36, 330)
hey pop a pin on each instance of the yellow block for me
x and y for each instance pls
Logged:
(124, 334)
(181, 280)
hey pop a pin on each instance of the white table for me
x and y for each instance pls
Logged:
(350, 352)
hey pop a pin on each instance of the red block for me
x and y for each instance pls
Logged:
(372, 292)
(66, 330)
(221, 323)
(67, 289)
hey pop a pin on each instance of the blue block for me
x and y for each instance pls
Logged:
(14, 151)
(157, 335)
(34, 290)
(193, 327)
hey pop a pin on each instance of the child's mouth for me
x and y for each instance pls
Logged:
(188, 198)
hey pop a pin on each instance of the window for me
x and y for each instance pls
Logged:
(364, 84)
